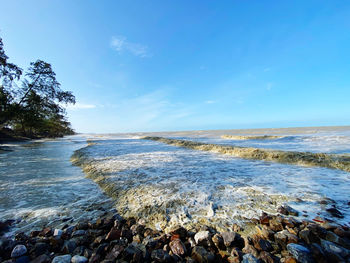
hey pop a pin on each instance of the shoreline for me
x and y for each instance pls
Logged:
(111, 238)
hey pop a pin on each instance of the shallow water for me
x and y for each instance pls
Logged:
(167, 185)
(39, 185)
(170, 185)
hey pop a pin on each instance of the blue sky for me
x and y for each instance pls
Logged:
(189, 65)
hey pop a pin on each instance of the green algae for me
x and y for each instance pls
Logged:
(334, 161)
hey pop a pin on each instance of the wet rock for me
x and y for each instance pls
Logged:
(333, 250)
(232, 239)
(300, 253)
(137, 229)
(102, 249)
(132, 251)
(79, 251)
(126, 233)
(69, 246)
(39, 249)
(342, 232)
(262, 244)
(202, 238)
(249, 258)
(55, 243)
(57, 232)
(177, 247)
(308, 236)
(95, 258)
(287, 210)
(267, 257)
(335, 212)
(281, 238)
(201, 255)
(115, 252)
(68, 231)
(41, 259)
(264, 232)
(78, 233)
(18, 251)
(46, 232)
(179, 230)
(218, 241)
(99, 239)
(160, 255)
(62, 259)
(34, 233)
(22, 259)
(318, 253)
(79, 259)
(113, 234)
(264, 219)
(336, 239)
(276, 224)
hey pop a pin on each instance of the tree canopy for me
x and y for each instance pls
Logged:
(32, 102)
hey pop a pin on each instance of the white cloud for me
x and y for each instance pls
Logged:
(269, 85)
(210, 102)
(121, 44)
(267, 69)
(80, 106)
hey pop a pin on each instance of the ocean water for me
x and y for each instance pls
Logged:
(167, 185)
(39, 185)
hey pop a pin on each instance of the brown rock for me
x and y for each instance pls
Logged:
(264, 232)
(293, 231)
(177, 247)
(276, 224)
(290, 260)
(113, 234)
(308, 236)
(267, 257)
(201, 255)
(180, 231)
(236, 252)
(261, 244)
(46, 232)
(115, 252)
(232, 239)
(264, 219)
(233, 260)
(224, 254)
(218, 241)
(249, 249)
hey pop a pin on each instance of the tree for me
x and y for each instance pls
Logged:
(33, 104)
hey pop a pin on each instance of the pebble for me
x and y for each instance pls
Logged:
(300, 253)
(79, 259)
(201, 236)
(249, 258)
(57, 232)
(18, 251)
(62, 259)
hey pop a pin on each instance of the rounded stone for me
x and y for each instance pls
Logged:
(79, 259)
(18, 251)
(62, 259)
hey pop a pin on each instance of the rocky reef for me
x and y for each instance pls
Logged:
(111, 238)
(334, 161)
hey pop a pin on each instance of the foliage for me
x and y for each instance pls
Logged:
(32, 103)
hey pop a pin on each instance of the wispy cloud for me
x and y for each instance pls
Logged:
(269, 85)
(210, 101)
(121, 44)
(80, 106)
